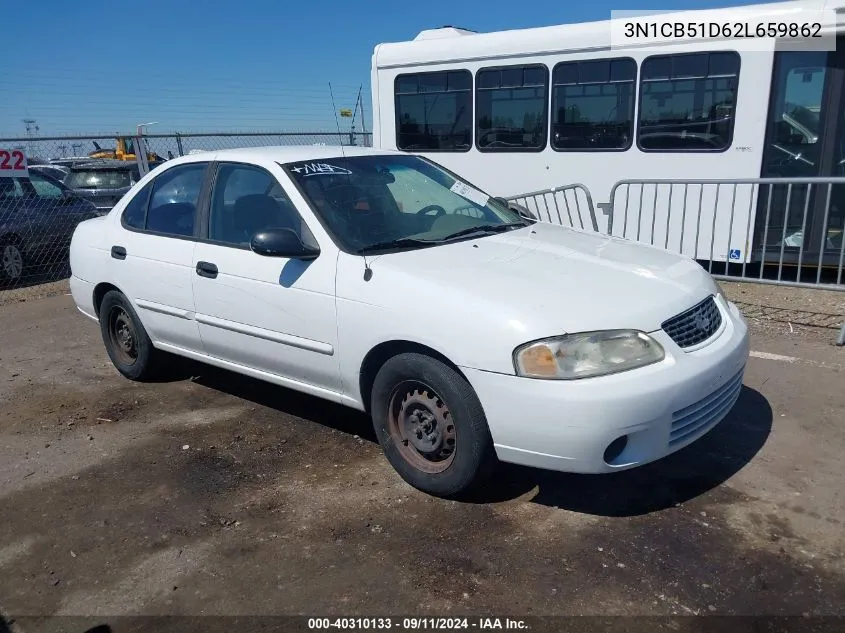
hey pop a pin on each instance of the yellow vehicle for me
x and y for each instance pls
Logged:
(125, 150)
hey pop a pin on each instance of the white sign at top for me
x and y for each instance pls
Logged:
(12, 163)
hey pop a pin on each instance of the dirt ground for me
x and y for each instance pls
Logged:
(217, 494)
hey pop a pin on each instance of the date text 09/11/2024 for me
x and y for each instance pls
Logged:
(415, 624)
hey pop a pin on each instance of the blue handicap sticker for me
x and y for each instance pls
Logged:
(735, 254)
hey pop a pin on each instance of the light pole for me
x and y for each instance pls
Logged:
(141, 151)
(31, 124)
(143, 125)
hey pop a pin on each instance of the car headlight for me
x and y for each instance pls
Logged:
(587, 354)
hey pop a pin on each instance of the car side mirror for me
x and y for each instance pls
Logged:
(278, 242)
(525, 213)
(517, 208)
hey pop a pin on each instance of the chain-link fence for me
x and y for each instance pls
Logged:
(37, 219)
(73, 149)
(73, 178)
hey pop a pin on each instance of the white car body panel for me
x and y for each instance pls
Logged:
(273, 314)
(309, 325)
(159, 282)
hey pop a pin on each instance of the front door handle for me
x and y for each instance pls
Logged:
(118, 252)
(207, 269)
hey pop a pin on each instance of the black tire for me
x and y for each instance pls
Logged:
(142, 362)
(432, 391)
(12, 261)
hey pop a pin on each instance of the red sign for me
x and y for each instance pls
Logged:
(12, 163)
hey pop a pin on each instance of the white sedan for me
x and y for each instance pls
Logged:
(381, 281)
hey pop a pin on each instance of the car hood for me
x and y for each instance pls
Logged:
(553, 279)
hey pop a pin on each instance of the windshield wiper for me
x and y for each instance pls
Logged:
(484, 230)
(397, 243)
(413, 241)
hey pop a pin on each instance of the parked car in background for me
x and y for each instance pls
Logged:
(103, 181)
(38, 215)
(383, 282)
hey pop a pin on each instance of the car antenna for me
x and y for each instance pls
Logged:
(368, 272)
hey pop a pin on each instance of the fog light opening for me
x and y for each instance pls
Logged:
(614, 449)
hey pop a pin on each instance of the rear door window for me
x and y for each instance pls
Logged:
(173, 203)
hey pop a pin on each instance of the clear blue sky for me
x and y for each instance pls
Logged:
(205, 65)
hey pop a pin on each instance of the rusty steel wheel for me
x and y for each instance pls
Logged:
(420, 405)
(129, 346)
(122, 335)
(421, 427)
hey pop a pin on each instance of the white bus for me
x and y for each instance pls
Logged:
(534, 109)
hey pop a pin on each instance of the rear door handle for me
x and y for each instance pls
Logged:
(118, 252)
(207, 269)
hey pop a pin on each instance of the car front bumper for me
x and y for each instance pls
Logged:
(569, 425)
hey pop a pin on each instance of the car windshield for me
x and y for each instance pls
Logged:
(372, 203)
(99, 179)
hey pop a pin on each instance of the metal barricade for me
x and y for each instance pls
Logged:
(766, 230)
(571, 205)
(786, 231)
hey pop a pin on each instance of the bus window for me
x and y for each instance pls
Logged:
(794, 126)
(805, 137)
(511, 108)
(593, 105)
(434, 111)
(688, 102)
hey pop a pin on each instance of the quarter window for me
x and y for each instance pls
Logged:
(688, 102)
(593, 105)
(247, 200)
(434, 111)
(511, 108)
(135, 213)
(173, 203)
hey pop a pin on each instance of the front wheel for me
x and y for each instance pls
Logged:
(431, 425)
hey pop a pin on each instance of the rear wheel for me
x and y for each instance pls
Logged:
(11, 261)
(431, 425)
(128, 345)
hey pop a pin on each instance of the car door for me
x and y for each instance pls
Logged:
(152, 254)
(273, 314)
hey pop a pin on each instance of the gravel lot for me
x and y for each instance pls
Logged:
(217, 494)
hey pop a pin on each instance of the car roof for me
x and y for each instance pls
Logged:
(283, 153)
(49, 167)
(104, 163)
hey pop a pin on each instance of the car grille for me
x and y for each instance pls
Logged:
(696, 325)
(699, 417)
